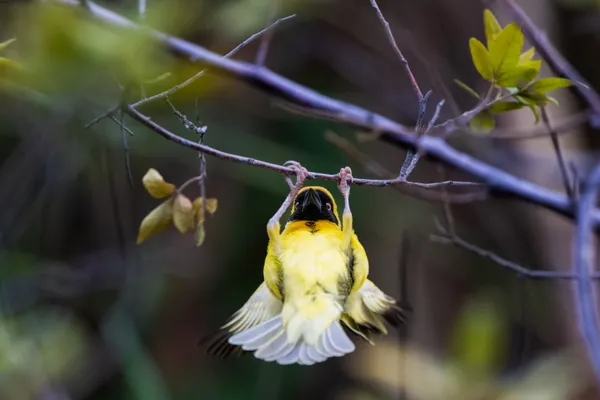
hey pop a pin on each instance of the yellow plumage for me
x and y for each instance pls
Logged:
(315, 276)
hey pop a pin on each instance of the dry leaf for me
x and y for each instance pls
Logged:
(156, 185)
(211, 205)
(183, 213)
(156, 221)
(200, 234)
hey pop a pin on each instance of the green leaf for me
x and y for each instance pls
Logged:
(535, 64)
(552, 100)
(481, 59)
(525, 100)
(492, 27)
(527, 56)
(482, 122)
(467, 89)
(505, 107)
(536, 113)
(518, 76)
(549, 84)
(9, 64)
(7, 43)
(505, 50)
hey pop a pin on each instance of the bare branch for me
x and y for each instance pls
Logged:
(100, 117)
(352, 115)
(265, 40)
(194, 78)
(584, 263)
(449, 236)
(490, 255)
(121, 123)
(564, 126)
(562, 165)
(413, 189)
(118, 122)
(392, 41)
(558, 63)
(436, 115)
(145, 120)
(412, 156)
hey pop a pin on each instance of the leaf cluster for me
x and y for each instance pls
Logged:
(511, 73)
(177, 209)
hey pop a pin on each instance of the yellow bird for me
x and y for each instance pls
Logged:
(315, 279)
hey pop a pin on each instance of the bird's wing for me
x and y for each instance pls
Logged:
(273, 273)
(359, 264)
(260, 307)
(366, 309)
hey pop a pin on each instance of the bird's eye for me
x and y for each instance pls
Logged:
(328, 206)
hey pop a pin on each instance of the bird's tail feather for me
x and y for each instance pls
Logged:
(270, 342)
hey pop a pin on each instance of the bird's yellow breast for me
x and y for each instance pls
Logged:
(312, 259)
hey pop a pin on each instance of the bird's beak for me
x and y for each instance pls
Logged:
(311, 200)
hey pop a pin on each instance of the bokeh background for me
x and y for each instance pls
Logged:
(88, 314)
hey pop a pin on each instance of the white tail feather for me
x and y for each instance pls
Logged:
(270, 342)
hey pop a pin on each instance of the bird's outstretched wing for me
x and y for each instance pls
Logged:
(366, 310)
(260, 307)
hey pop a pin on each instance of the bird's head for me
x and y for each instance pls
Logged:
(314, 203)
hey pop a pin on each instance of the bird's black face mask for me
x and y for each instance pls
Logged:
(313, 205)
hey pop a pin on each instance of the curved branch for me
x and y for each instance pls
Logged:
(147, 121)
(392, 132)
(584, 253)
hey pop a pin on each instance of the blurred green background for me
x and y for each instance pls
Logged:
(88, 314)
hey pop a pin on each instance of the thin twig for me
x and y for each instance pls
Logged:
(562, 165)
(392, 41)
(126, 148)
(564, 126)
(194, 78)
(449, 236)
(405, 187)
(100, 117)
(412, 156)
(145, 120)
(436, 115)
(556, 61)
(584, 263)
(265, 40)
(490, 255)
(420, 126)
(453, 124)
(118, 122)
(391, 132)
(186, 122)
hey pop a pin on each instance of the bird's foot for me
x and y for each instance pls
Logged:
(301, 175)
(345, 178)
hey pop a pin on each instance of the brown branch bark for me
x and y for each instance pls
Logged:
(500, 182)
